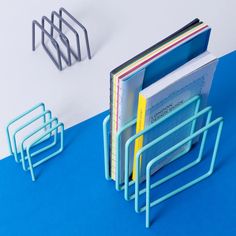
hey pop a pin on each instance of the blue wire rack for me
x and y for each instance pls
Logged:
(195, 133)
(46, 134)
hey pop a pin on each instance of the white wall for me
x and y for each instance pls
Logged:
(118, 30)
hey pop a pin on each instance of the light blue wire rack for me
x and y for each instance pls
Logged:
(40, 134)
(196, 133)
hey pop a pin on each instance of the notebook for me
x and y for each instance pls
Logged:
(157, 100)
(154, 64)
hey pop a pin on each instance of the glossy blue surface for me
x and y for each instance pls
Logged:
(72, 196)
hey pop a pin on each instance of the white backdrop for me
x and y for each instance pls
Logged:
(118, 30)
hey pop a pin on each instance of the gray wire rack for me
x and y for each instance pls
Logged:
(57, 60)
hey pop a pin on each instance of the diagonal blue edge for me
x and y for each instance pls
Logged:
(72, 197)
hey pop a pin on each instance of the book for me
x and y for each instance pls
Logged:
(157, 63)
(160, 98)
(128, 89)
(192, 24)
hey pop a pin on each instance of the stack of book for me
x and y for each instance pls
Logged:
(152, 84)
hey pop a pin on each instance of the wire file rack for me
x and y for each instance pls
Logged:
(144, 188)
(41, 134)
(57, 59)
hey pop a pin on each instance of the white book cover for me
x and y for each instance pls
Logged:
(191, 79)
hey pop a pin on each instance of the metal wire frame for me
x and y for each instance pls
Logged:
(29, 155)
(63, 10)
(50, 127)
(40, 107)
(57, 61)
(195, 100)
(193, 134)
(64, 39)
(44, 114)
(53, 14)
(203, 130)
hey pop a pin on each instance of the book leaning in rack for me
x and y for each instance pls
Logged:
(143, 70)
(157, 100)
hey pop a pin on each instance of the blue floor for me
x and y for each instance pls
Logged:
(72, 197)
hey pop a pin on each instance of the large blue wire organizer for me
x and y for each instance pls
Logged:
(41, 134)
(200, 133)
